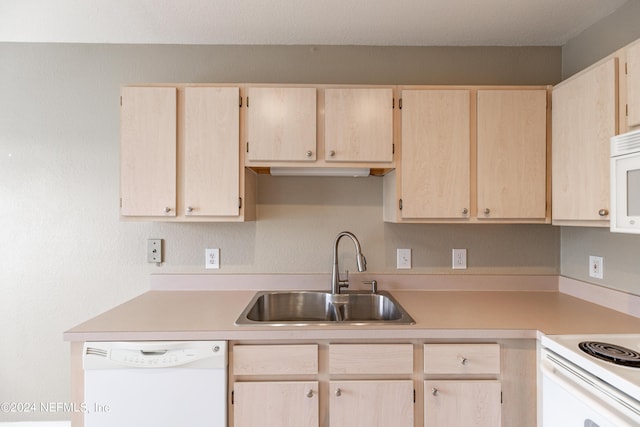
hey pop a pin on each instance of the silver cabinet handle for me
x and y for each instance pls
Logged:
(310, 393)
(465, 211)
(487, 211)
(189, 209)
(603, 212)
(464, 361)
(332, 153)
(167, 209)
(338, 392)
(434, 391)
(309, 153)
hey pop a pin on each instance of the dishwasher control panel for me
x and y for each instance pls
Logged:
(154, 354)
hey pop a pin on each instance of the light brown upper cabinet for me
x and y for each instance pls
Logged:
(512, 154)
(148, 123)
(633, 85)
(211, 155)
(471, 154)
(584, 120)
(281, 124)
(358, 124)
(436, 147)
(180, 156)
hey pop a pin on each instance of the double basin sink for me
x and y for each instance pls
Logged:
(300, 308)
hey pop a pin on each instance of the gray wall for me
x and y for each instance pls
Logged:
(602, 38)
(65, 256)
(620, 251)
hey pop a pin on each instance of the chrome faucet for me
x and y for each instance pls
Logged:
(336, 283)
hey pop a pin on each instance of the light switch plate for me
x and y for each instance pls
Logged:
(403, 261)
(212, 258)
(596, 267)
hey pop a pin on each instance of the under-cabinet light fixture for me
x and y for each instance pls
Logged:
(354, 172)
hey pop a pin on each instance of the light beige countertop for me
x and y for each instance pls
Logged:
(462, 314)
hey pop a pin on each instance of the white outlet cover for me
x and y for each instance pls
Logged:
(459, 259)
(212, 258)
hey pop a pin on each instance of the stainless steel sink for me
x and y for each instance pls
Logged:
(300, 308)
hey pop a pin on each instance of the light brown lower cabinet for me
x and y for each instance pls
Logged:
(462, 403)
(383, 384)
(371, 403)
(276, 404)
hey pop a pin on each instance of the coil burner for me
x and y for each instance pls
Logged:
(611, 353)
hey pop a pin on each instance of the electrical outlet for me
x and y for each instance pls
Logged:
(596, 267)
(459, 259)
(403, 261)
(212, 258)
(154, 250)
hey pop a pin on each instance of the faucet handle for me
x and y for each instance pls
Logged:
(343, 283)
(374, 285)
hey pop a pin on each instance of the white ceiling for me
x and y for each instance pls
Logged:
(302, 22)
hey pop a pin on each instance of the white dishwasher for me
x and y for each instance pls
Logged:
(155, 383)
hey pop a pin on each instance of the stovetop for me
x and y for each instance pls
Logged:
(624, 378)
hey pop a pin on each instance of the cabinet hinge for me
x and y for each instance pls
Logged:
(400, 103)
(247, 102)
(240, 101)
(232, 397)
(400, 204)
(501, 398)
(393, 148)
(393, 103)
(239, 202)
(247, 146)
(414, 395)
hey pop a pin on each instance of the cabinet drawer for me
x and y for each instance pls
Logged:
(371, 359)
(275, 359)
(462, 358)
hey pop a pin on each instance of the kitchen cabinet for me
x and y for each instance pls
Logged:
(276, 400)
(453, 393)
(471, 154)
(436, 144)
(148, 123)
(358, 124)
(281, 124)
(371, 402)
(276, 404)
(459, 403)
(584, 119)
(633, 85)
(180, 157)
(512, 154)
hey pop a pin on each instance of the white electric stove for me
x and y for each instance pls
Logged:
(590, 380)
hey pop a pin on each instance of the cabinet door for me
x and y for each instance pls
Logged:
(371, 403)
(462, 403)
(633, 85)
(358, 125)
(435, 153)
(211, 165)
(512, 147)
(281, 124)
(584, 120)
(276, 404)
(148, 118)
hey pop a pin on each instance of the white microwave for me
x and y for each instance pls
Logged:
(625, 183)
